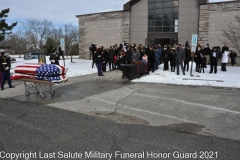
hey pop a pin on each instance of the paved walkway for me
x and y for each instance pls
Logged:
(199, 110)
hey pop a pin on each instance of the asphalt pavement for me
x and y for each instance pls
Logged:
(116, 119)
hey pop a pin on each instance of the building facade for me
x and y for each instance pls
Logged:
(157, 22)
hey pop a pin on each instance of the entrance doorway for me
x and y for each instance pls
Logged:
(162, 41)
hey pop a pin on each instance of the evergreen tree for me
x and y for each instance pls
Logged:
(4, 27)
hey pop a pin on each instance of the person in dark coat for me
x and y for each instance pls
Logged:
(180, 57)
(203, 62)
(136, 54)
(151, 58)
(165, 57)
(206, 52)
(173, 59)
(187, 58)
(197, 58)
(54, 57)
(122, 58)
(214, 57)
(100, 60)
(111, 54)
(157, 57)
(105, 57)
(233, 56)
(5, 66)
(129, 55)
(94, 55)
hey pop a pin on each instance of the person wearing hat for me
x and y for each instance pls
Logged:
(165, 55)
(5, 65)
(173, 59)
(54, 57)
(100, 60)
(214, 57)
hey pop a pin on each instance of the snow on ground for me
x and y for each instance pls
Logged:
(79, 67)
(231, 78)
(82, 67)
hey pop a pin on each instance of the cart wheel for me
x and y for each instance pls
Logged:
(52, 93)
(42, 95)
(27, 93)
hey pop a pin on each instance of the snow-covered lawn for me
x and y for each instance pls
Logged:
(81, 67)
(231, 78)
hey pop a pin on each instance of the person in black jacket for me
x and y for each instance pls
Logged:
(129, 55)
(203, 62)
(105, 57)
(151, 58)
(54, 57)
(233, 56)
(100, 60)
(165, 57)
(214, 57)
(173, 60)
(187, 58)
(206, 52)
(197, 58)
(111, 54)
(5, 66)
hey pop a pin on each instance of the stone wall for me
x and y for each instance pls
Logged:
(214, 17)
(105, 28)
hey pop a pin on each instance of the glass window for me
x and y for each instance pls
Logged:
(167, 29)
(150, 29)
(163, 16)
(158, 5)
(158, 17)
(151, 11)
(175, 3)
(167, 23)
(176, 29)
(157, 29)
(150, 23)
(158, 11)
(175, 10)
(167, 4)
(158, 23)
(167, 17)
(175, 16)
(167, 10)
(151, 17)
(151, 6)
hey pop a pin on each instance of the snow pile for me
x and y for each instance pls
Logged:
(231, 78)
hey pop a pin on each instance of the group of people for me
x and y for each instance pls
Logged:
(178, 56)
(115, 56)
(204, 56)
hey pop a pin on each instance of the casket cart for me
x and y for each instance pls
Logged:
(37, 86)
(39, 83)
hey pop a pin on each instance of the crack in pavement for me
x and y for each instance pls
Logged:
(117, 107)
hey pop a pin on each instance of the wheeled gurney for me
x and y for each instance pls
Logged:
(37, 85)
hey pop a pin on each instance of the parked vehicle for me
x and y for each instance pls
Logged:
(13, 59)
(31, 56)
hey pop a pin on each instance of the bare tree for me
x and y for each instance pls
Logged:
(83, 40)
(16, 42)
(37, 31)
(71, 37)
(232, 34)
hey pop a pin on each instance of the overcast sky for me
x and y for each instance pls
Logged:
(59, 11)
